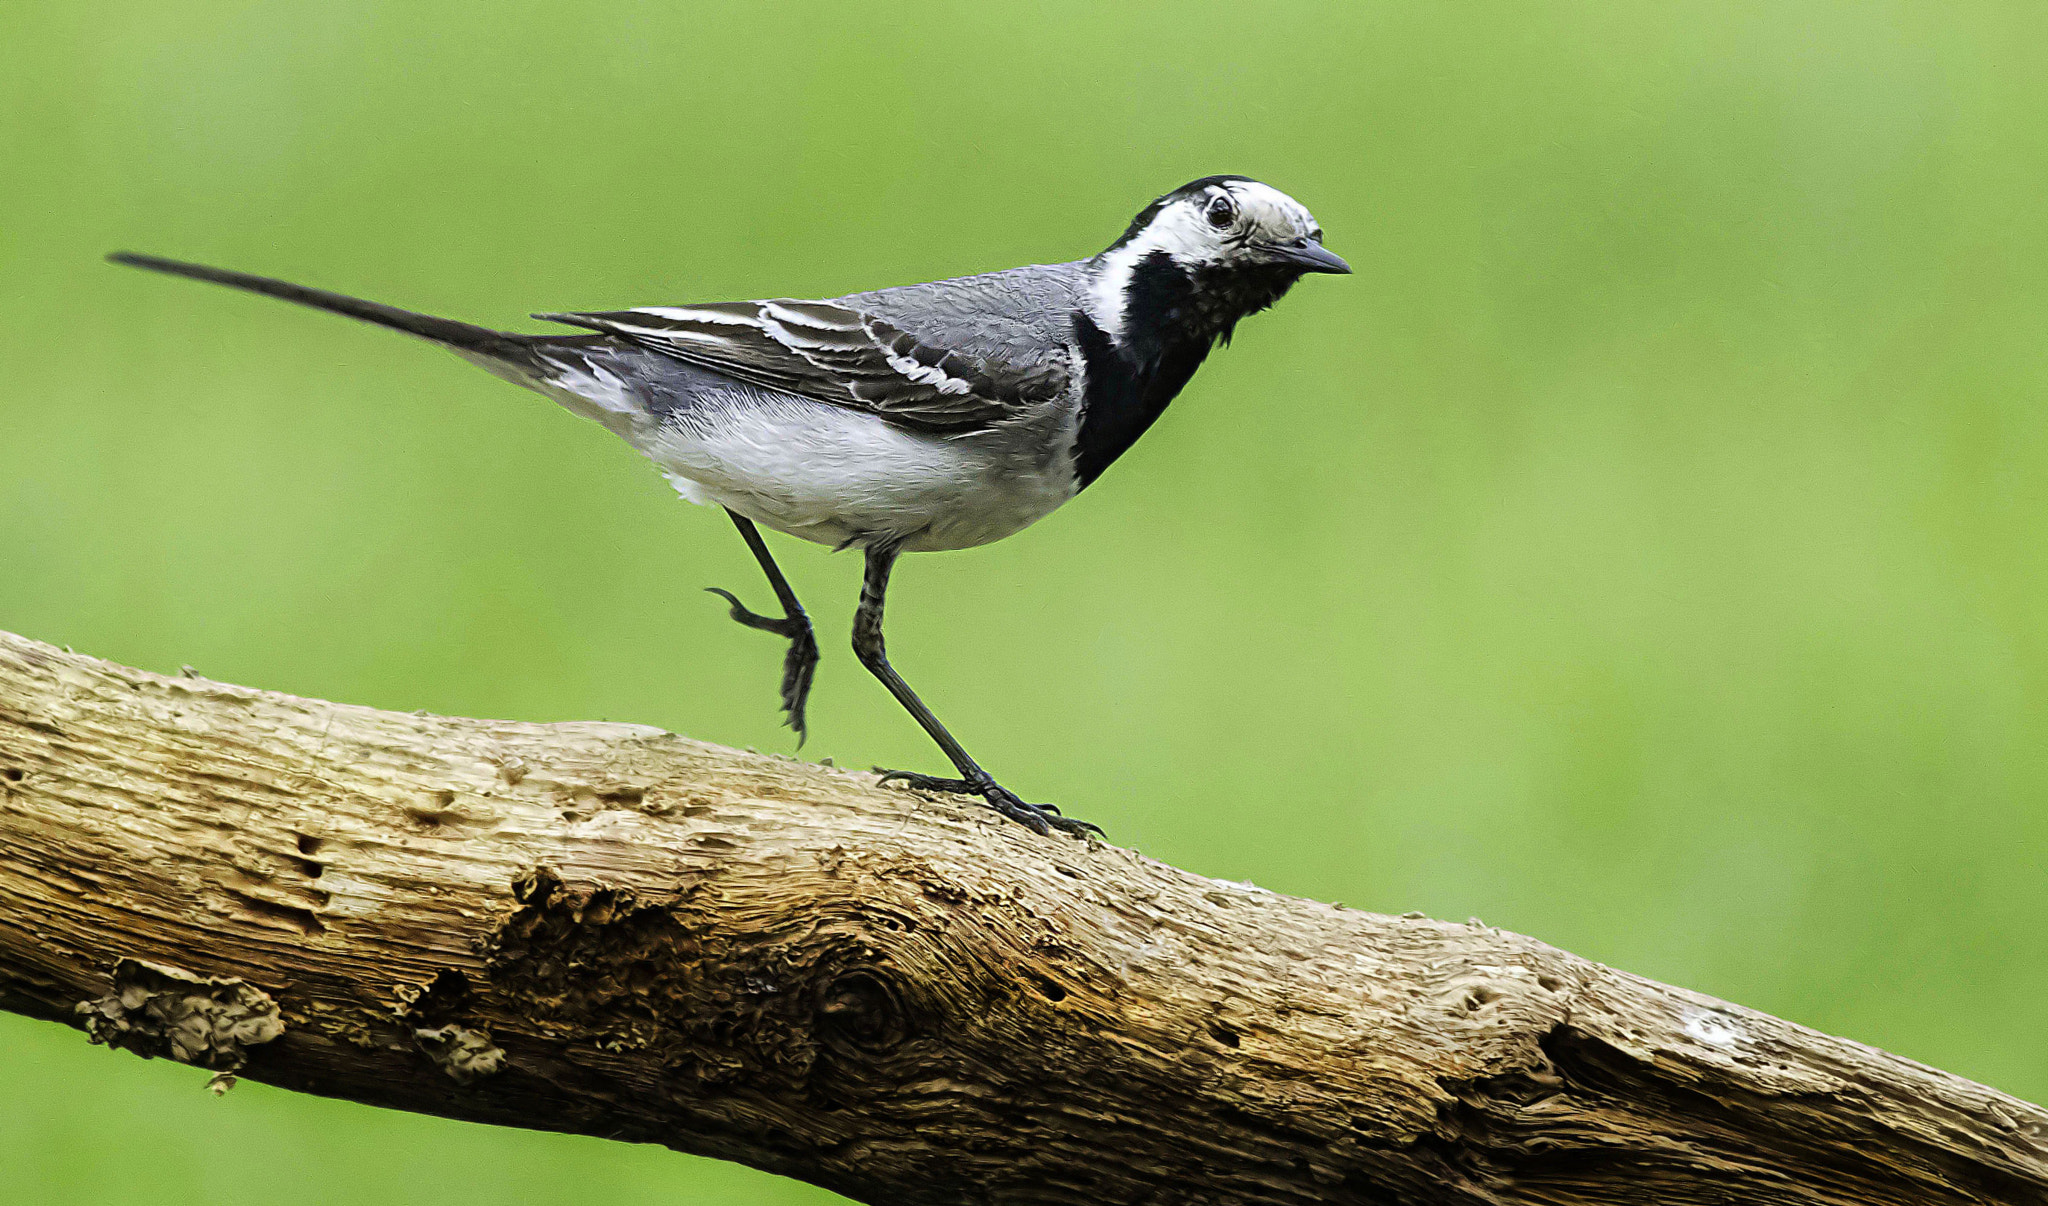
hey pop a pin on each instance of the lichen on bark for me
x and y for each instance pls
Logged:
(155, 1010)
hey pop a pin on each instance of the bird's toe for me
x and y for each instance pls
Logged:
(799, 667)
(1039, 818)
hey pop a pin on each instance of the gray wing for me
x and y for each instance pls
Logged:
(1020, 316)
(848, 355)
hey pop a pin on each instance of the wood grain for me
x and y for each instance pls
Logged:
(616, 931)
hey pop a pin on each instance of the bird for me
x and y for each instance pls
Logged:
(916, 418)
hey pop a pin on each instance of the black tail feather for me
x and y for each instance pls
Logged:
(462, 335)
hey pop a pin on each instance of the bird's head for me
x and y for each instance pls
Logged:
(1207, 254)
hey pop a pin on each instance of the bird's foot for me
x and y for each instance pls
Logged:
(798, 665)
(1040, 818)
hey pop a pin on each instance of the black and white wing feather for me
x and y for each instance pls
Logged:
(841, 355)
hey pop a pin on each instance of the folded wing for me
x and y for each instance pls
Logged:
(835, 354)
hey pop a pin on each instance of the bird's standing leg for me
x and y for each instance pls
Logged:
(867, 645)
(802, 658)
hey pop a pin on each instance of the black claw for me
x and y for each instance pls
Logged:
(920, 782)
(784, 627)
(1039, 818)
(798, 665)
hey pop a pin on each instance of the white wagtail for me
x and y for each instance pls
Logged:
(914, 419)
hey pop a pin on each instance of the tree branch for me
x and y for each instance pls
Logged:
(617, 931)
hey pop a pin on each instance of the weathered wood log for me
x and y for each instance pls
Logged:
(616, 931)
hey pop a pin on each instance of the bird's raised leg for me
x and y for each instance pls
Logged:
(802, 659)
(867, 645)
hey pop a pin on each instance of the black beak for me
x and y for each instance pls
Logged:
(1311, 257)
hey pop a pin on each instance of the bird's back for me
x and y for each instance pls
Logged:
(1022, 317)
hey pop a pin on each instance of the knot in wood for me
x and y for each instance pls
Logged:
(859, 1011)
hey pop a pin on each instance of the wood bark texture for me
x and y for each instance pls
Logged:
(616, 931)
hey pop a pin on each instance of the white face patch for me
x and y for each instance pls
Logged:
(1182, 229)
(1274, 216)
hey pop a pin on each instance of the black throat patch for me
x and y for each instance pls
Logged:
(1172, 317)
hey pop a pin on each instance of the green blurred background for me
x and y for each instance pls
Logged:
(1642, 551)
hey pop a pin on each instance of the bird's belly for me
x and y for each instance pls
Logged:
(833, 475)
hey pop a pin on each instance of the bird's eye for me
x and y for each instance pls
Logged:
(1222, 210)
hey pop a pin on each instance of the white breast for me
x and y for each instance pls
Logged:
(831, 474)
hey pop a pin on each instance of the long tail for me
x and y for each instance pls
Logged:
(466, 337)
